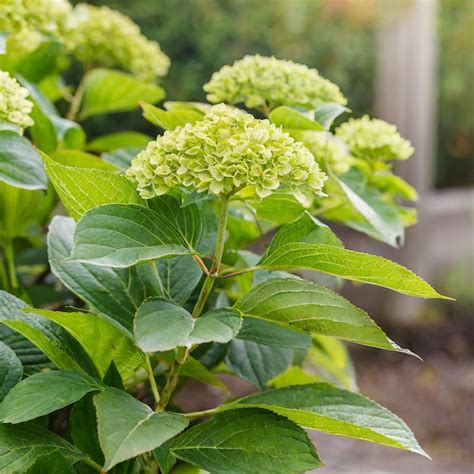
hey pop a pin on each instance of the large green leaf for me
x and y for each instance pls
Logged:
(81, 189)
(22, 445)
(20, 164)
(263, 350)
(327, 113)
(119, 235)
(11, 369)
(332, 410)
(114, 292)
(168, 120)
(44, 393)
(180, 276)
(247, 441)
(220, 325)
(279, 208)
(315, 309)
(128, 427)
(31, 358)
(292, 119)
(161, 326)
(114, 91)
(101, 337)
(80, 159)
(117, 140)
(348, 264)
(56, 343)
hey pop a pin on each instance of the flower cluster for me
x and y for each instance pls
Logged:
(14, 105)
(326, 149)
(267, 82)
(228, 150)
(26, 20)
(374, 140)
(100, 36)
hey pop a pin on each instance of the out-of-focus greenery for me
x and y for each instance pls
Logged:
(456, 93)
(200, 36)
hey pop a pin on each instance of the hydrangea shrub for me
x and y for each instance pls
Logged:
(153, 277)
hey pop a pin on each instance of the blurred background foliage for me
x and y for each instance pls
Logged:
(337, 37)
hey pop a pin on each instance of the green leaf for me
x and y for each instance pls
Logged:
(327, 113)
(119, 235)
(117, 293)
(47, 336)
(80, 159)
(83, 426)
(193, 369)
(44, 393)
(31, 358)
(81, 189)
(20, 164)
(263, 350)
(294, 375)
(315, 309)
(121, 157)
(101, 337)
(161, 326)
(128, 427)
(11, 369)
(180, 276)
(306, 229)
(247, 441)
(331, 359)
(332, 410)
(348, 264)
(168, 120)
(106, 91)
(220, 325)
(18, 210)
(292, 119)
(22, 445)
(117, 140)
(280, 207)
(54, 463)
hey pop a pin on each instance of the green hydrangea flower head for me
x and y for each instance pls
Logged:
(326, 148)
(100, 36)
(225, 152)
(26, 21)
(374, 140)
(262, 82)
(14, 105)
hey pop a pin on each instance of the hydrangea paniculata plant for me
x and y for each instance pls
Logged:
(225, 152)
(374, 140)
(266, 82)
(100, 36)
(14, 104)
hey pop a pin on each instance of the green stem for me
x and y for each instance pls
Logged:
(3, 275)
(93, 464)
(200, 414)
(10, 260)
(77, 99)
(151, 378)
(198, 308)
(219, 251)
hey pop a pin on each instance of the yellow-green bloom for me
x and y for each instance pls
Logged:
(14, 105)
(326, 149)
(267, 82)
(100, 36)
(374, 140)
(228, 150)
(26, 21)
